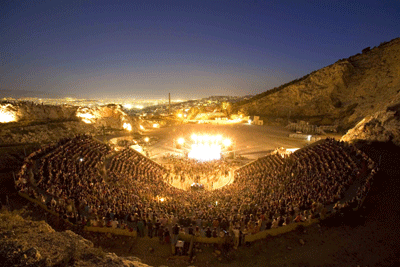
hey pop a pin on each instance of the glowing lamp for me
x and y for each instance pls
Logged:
(86, 117)
(181, 141)
(127, 126)
(7, 115)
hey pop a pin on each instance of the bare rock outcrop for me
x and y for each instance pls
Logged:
(382, 126)
(109, 116)
(45, 132)
(31, 243)
(342, 93)
(28, 111)
(25, 122)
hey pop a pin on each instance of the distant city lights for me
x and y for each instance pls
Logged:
(128, 106)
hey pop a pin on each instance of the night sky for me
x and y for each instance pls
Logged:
(192, 49)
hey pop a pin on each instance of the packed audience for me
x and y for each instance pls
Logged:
(89, 184)
(186, 170)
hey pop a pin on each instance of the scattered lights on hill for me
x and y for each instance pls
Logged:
(6, 114)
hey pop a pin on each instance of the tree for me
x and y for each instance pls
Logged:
(227, 108)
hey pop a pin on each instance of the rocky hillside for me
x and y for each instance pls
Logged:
(24, 122)
(34, 243)
(44, 132)
(28, 111)
(342, 93)
(109, 116)
(382, 126)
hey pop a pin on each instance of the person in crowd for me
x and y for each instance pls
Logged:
(208, 232)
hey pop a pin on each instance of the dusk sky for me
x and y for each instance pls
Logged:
(191, 49)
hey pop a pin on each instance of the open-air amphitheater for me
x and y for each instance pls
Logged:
(90, 185)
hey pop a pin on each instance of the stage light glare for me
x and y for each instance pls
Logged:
(205, 152)
(146, 139)
(227, 142)
(181, 141)
(141, 127)
(162, 199)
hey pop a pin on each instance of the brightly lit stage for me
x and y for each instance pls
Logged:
(204, 147)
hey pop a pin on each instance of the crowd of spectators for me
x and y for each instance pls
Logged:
(89, 184)
(189, 171)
